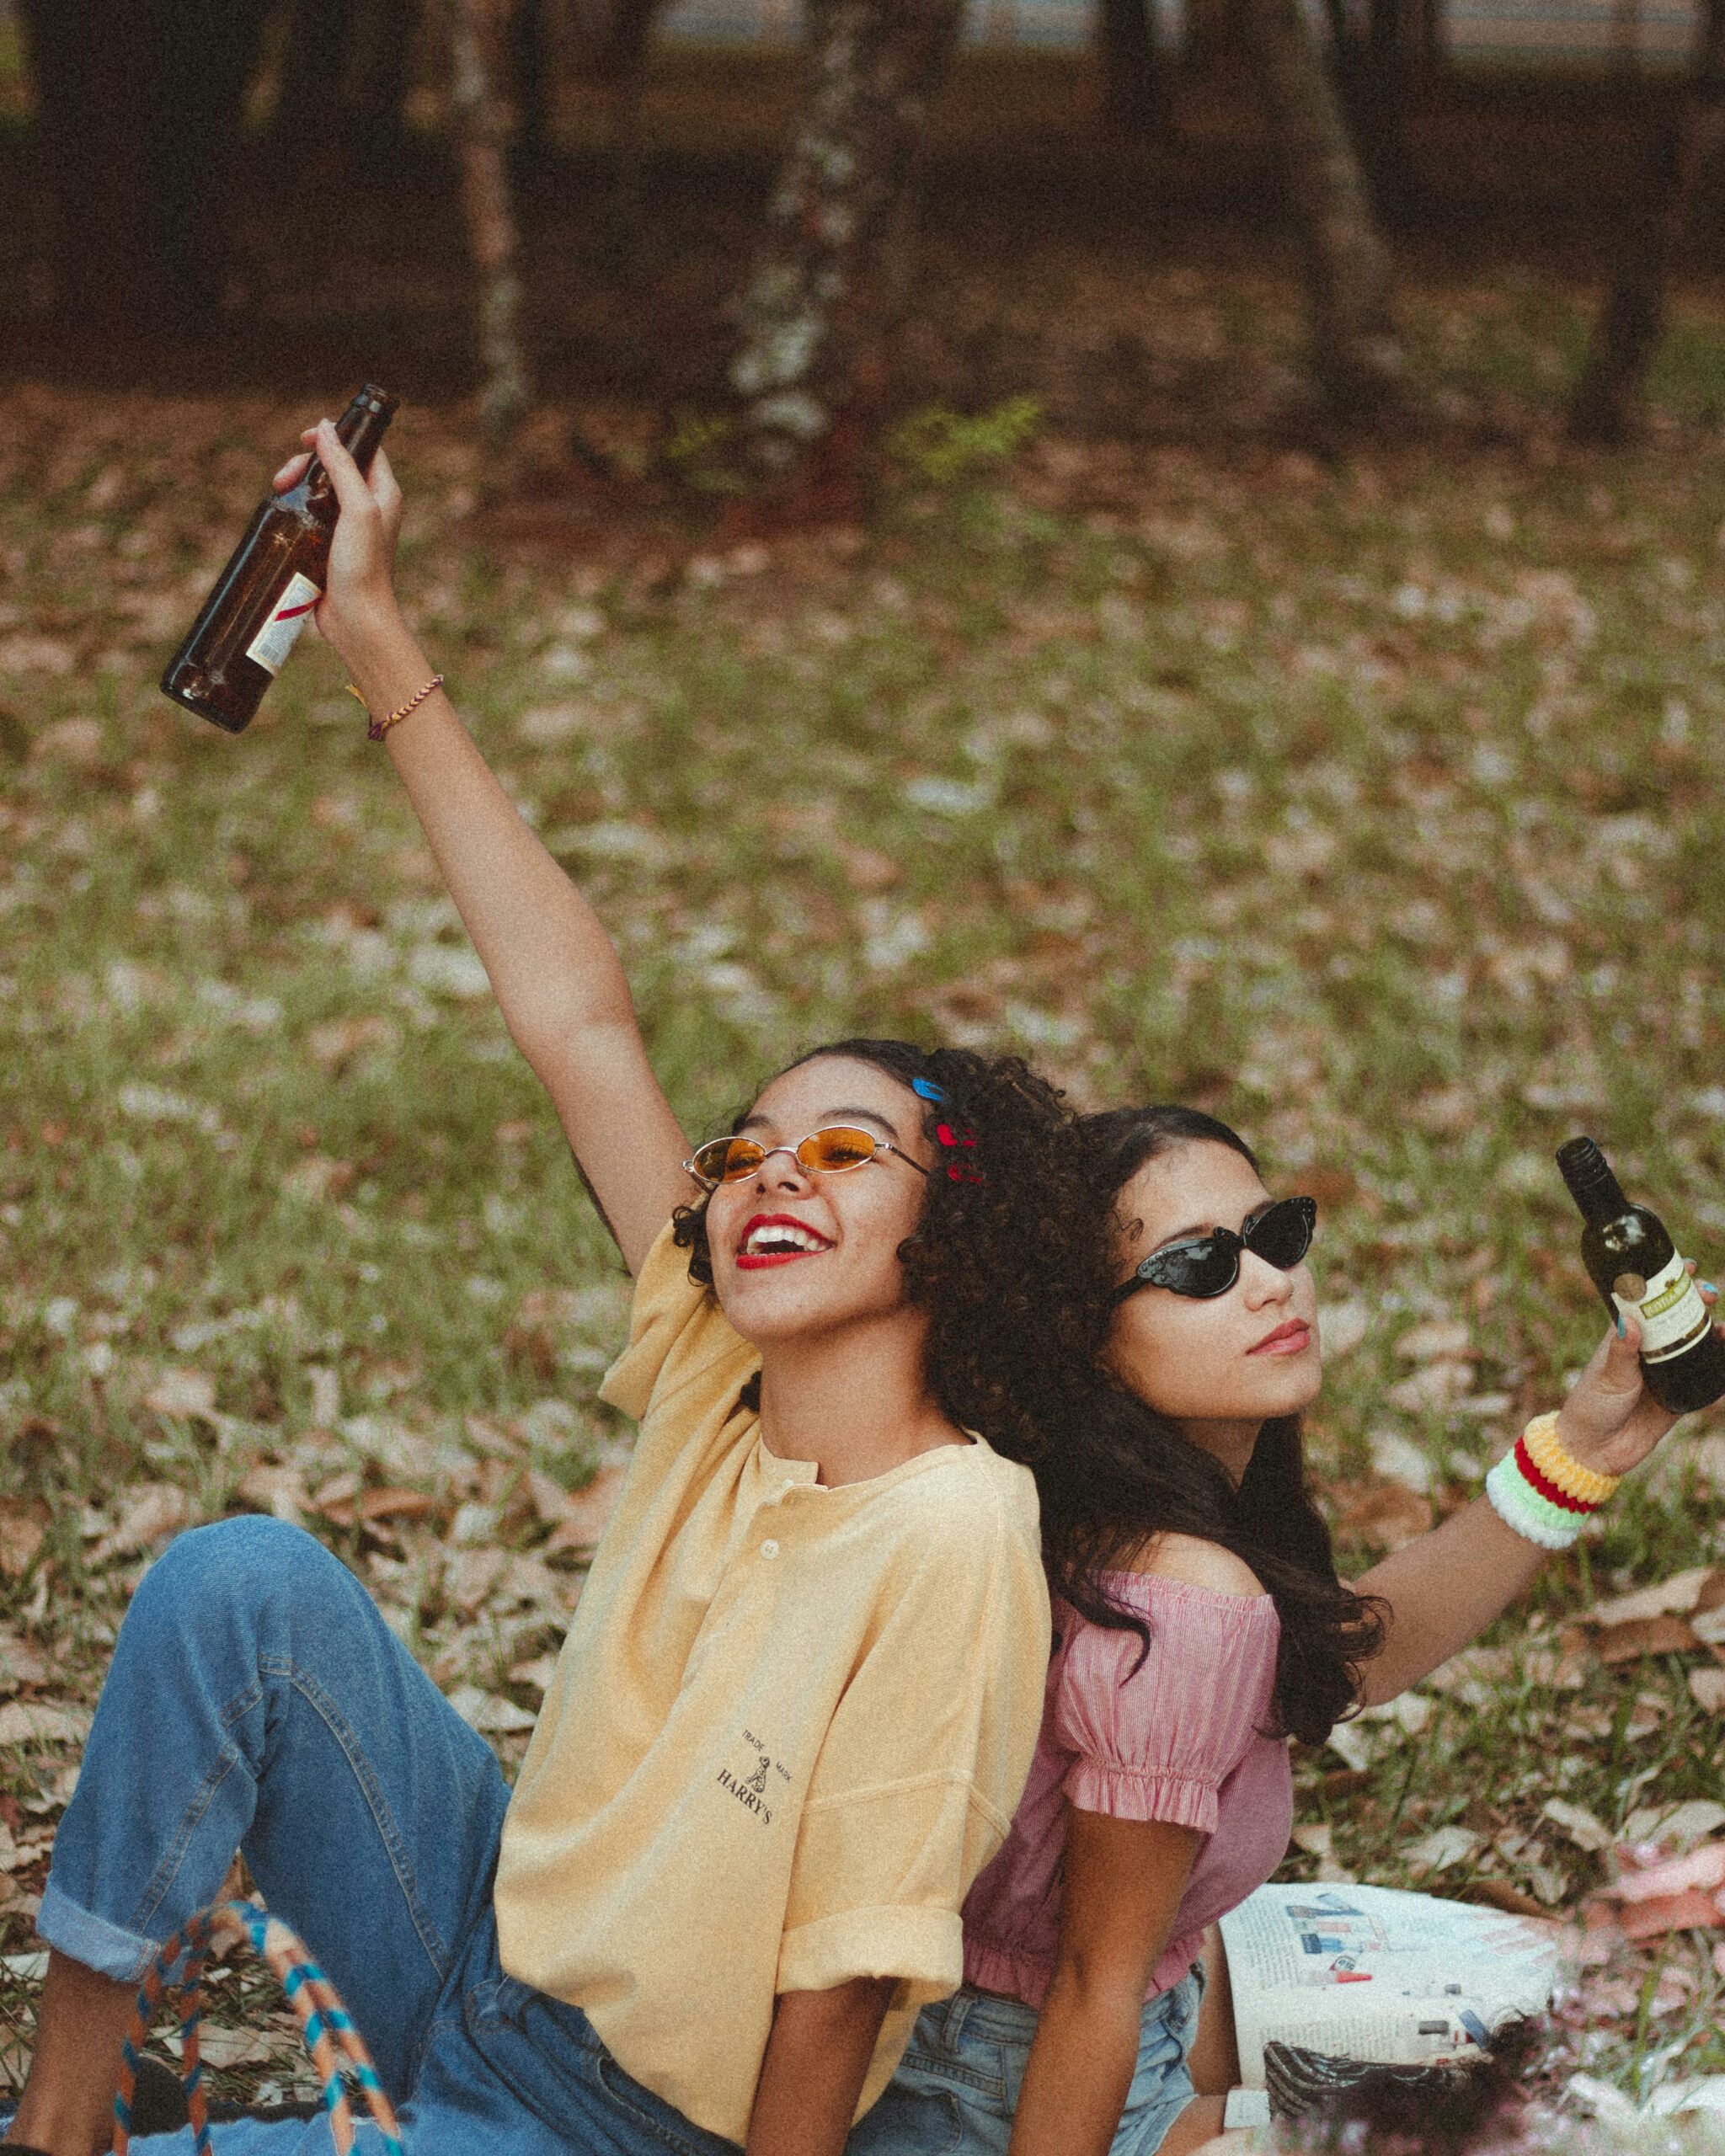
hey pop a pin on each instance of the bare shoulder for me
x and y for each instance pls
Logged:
(1195, 1562)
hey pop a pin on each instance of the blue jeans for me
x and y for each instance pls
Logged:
(257, 1702)
(956, 2091)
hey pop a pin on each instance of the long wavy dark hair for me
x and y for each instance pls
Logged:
(1126, 1475)
(1011, 1263)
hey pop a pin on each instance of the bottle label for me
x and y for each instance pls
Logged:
(1669, 1309)
(293, 609)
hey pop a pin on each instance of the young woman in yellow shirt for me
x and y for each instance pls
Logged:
(799, 1697)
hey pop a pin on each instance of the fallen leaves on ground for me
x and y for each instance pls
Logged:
(1385, 1514)
(148, 1514)
(584, 1516)
(43, 1721)
(24, 1526)
(1652, 1894)
(190, 1394)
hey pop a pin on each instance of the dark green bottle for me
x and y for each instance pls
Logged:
(1635, 1267)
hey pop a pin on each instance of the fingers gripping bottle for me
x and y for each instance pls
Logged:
(264, 596)
(1632, 1261)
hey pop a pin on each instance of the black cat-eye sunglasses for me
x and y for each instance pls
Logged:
(1209, 1265)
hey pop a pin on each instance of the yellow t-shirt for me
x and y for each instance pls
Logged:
(790, 1725)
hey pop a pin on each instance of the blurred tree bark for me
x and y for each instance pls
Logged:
(1133, 92)
(1379, 67)
(341, 97)
(614, 39)
(1684, 134)
(309, 99)
(839, 227)
(94, 67)
(140, 103)
(1356, 354)
(380, 66)
(477, 32)
(530, 73)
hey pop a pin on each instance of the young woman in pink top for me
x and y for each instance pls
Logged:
(1199, 1623)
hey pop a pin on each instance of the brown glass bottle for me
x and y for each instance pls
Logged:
(260, 602)
(1632, 1261)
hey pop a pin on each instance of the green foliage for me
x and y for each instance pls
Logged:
(694, 449)
(943, 446)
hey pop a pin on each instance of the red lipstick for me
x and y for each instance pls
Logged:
(795, 1239)
(1288, 1339)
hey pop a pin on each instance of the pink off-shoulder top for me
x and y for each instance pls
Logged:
(1180, 1739)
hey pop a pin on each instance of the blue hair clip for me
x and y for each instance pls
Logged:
(928, 1089)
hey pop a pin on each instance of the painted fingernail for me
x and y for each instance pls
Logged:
(1622, 1330)
(1708, 1287)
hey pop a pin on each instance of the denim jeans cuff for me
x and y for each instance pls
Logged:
(91, 1939)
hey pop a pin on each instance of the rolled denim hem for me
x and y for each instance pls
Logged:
(91, 1939)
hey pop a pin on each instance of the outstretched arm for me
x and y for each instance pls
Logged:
(1443, 1588)
(553, 966)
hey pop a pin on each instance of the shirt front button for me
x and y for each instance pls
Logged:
(769, 1549)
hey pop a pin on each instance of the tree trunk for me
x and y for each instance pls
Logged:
(1356, 354)
(475, 38)
(96, 70)
(1683, 137)
(139, 108)
(1388, 70)
(1134, 102)
(210, 50)
(623, 64)
(380, 65)
(310, 106)
(810, 310)
(530, 71)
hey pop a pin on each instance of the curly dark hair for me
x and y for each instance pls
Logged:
(1012, 1269)
(1126, 1475)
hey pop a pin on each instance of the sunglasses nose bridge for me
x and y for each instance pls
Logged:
(1264, 1282)
(795, 1169)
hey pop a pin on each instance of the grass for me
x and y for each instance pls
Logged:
(1374, 805)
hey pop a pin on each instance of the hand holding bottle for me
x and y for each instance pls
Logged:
(264, 596)
(1610, 1421)
(358, 613)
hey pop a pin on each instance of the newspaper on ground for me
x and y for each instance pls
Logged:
(1374, 1973)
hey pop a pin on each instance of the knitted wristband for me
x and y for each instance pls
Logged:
(1518, 1505)
(1540, 1491)
(1560, 1467)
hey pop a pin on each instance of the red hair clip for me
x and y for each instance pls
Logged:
(958, 1171)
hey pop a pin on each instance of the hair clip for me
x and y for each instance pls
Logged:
(926, 1089)
(957, 1173)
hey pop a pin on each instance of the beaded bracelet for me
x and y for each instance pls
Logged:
(379, 726)
(1542, 1491)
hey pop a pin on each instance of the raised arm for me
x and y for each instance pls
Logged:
(1443, 1588)
(554, 969)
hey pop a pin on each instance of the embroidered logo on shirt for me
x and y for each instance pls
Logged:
(751, 1788)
